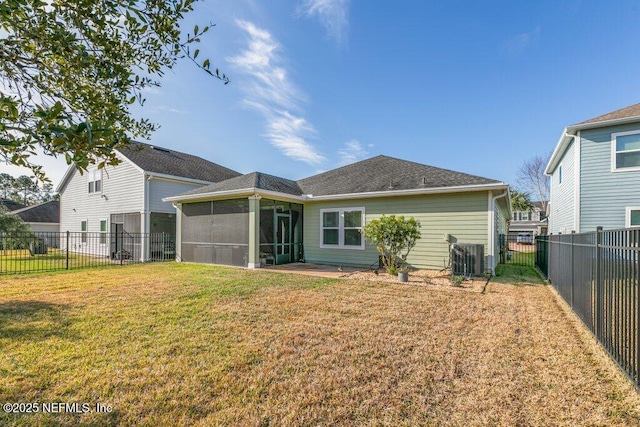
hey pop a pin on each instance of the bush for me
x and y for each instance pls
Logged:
(394, 237)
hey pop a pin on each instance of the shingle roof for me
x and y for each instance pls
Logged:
(10, 204)
(377, 174)
(44, 212)
(383, 173)
(258, 180)
(152, 158)
(630, 111)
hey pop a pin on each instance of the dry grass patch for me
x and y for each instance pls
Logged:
(200, 345)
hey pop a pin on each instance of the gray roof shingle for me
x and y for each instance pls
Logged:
(377, 174)
(152, 158)
(44, 212)
(258, 180)
(10, 205)
(383, 173)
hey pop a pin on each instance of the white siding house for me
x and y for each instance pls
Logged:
(595, 174)
(127, 199)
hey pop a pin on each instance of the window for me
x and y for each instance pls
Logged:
(626, 151)
(515, 216)
(525, 216)
(633, 217)
(342, 228)
(95, 180)
(83, 229)
(560, 174)
(103, 232)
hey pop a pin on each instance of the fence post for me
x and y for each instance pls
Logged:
(598, 283)
(121, 246)
(573, 233)
(67, 245)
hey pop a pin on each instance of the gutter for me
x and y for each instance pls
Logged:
(350, 196)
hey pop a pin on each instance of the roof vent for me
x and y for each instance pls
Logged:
(424, 180)
(164, 150)
(390, 185)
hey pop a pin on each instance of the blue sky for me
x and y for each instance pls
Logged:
(471, 86)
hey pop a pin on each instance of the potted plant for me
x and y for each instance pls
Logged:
(403, 273)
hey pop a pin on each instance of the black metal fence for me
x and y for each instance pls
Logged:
(542, 254)
(44, 251)
(597, 275)
(518, 249)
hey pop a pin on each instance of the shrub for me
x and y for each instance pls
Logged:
(394, 237)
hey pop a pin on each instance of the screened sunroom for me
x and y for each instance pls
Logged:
(241, 232)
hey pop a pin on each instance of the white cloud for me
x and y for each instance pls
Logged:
(167, 109)
(518, 43)
(332, 14)
(352, 151)
(154, 90)
(271, 92)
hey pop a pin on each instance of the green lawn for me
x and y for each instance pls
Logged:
(184, 344)
(21, 261)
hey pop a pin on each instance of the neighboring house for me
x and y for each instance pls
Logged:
(126, 199)
(595, 174)
(533, 221)
(320, 219)
(10, 205)
(43, 220)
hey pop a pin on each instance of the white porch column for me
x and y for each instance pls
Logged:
(178, 243)
(254, 231)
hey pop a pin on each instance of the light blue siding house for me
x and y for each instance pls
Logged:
(595, 174)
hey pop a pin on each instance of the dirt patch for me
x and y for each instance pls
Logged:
(434, 279)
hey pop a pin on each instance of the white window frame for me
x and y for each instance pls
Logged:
(84, 234)
(104, 233)
(614, 152)
(627, 217)
(341, 228)
(94, 175)
(560, 174)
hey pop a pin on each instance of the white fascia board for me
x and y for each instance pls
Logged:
(558, 152)
(411, 192)
(252, 191)
(65, 178)
(310, 198)
(210, 196)
(43, 223)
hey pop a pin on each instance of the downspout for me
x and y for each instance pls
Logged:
(492, 227)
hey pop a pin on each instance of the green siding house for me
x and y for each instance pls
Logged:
(257, 218)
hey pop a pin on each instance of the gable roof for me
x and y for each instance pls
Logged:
(383, 173)
(10, 204)
(377, 176)
(250, 182)
(44, 212)
(152, 158)
(624, 115)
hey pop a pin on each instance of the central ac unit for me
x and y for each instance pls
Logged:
(467, 259)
